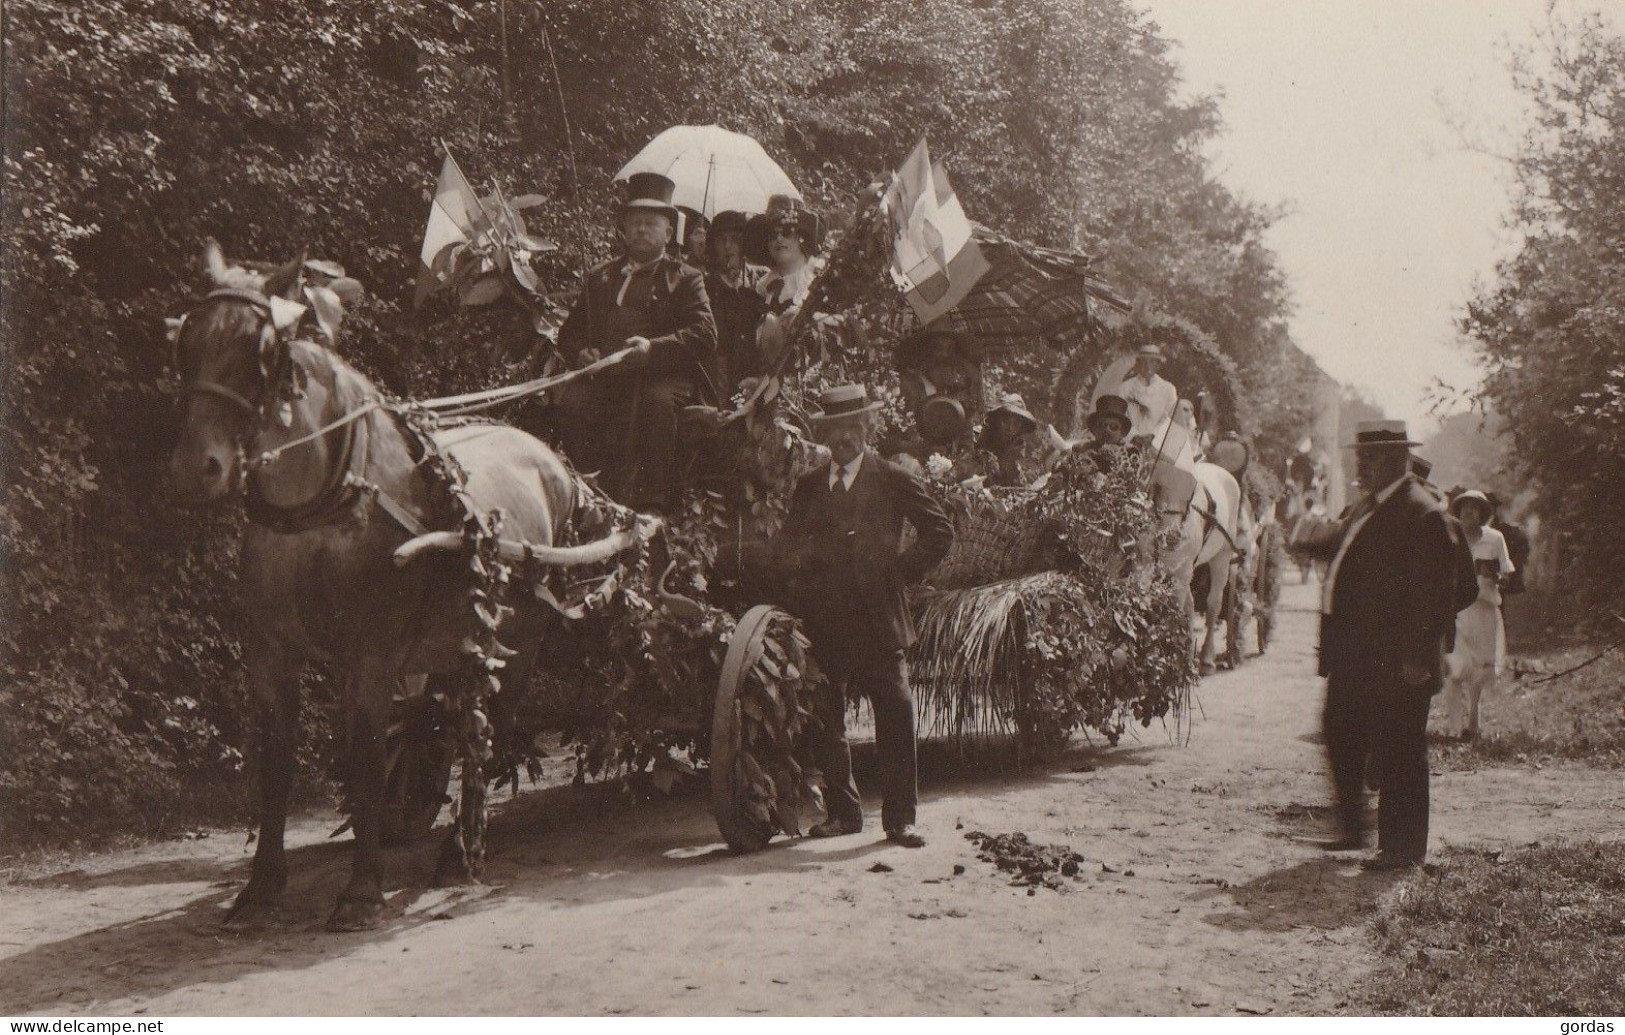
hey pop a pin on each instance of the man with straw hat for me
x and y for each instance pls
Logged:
(1151, 398)
(841, 547)
(1388, 610)
(623, 423)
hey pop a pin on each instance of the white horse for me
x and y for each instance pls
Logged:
(1209, 535)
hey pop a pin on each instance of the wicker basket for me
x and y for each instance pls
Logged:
(992, 543)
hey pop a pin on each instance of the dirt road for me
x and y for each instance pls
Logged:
(1195, 898)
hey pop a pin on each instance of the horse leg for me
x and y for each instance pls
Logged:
(366, 715)
(1217, 569)
(273, 678)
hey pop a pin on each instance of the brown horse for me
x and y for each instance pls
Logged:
(319, 577)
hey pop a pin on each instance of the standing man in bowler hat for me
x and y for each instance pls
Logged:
(623, 422)
(1388, 611)
(842, 547)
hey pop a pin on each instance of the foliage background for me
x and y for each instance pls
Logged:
(134, 128)
(1550, 329)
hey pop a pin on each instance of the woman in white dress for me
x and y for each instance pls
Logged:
(1480, 635)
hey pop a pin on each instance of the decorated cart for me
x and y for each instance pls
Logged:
(1045, 618)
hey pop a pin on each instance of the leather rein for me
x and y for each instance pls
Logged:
(342, 487)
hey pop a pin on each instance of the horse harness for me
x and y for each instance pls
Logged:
(344, 487)
(283, 381)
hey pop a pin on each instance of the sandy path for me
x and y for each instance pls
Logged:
(597, 906)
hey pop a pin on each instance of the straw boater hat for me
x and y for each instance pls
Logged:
(844, 401)
(1015, 405)
(650, 192)
(1110, 407)
(1373, 434)
(1152, 352)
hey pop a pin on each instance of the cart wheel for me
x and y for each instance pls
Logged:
(419, 750)
(746, 821)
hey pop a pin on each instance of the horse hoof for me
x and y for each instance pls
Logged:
(351, 915)
(252, 915)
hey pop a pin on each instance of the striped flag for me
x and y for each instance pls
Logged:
(451, 221)
(934, 258)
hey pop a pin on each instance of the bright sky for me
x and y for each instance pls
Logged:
(1343, 109)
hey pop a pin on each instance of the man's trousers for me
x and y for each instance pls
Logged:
(882, 677)
(1382, 722)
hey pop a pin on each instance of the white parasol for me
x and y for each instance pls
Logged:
(715, 170)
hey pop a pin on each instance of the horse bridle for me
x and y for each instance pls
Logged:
(270, 337)
(342, 488)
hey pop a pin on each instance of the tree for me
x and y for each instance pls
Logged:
(1549, 330)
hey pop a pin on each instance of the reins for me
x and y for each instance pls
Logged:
(343, 487)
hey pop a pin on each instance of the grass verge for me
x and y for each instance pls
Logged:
(1529, 932)
(1530, 718)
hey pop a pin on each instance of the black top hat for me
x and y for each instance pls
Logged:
(650, 192)
(1109, 407)
(783, 212)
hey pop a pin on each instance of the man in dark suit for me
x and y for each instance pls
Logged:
(623, 422)
(1388, 609)
(841, 549)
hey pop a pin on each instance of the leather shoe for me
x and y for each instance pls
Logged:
(1387, 862)
(833, 827)
(908, 836)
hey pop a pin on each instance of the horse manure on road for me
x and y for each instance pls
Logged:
(1030, 865)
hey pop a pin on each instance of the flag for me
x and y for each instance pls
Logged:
(934, 258)
(451, 221)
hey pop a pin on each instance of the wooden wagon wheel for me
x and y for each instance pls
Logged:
(420, 753)
(746, 821)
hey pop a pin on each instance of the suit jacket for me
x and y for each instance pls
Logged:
(672, 312)
(1395, 595)
(842, 549)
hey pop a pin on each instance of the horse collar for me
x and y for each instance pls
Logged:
(337, 497)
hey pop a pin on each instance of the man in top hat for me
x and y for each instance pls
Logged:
(1151, 398)
(841, 550)
(623, 422)
(731, 284)
(1110, 423)
(1388, 612)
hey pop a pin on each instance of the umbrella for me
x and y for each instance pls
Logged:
(715, 170)
(1028, 293)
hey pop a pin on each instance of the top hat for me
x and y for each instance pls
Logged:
(731, 221)
(650, 192)
(1014, 404)
(1371, 434)
(844, 401)
(1151, 352)
(783, 212)
(1110, 407)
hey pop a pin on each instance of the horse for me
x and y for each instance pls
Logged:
(341, 562)
(1209, 539)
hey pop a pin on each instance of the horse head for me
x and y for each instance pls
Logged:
(232, 350)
